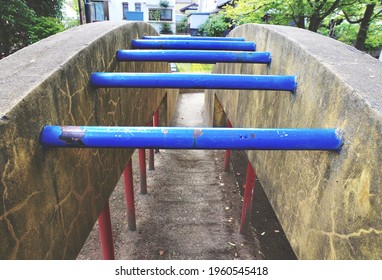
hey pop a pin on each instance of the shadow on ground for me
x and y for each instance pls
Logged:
(264, 223)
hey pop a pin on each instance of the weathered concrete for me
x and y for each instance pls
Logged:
(50, 199)
(330, 204)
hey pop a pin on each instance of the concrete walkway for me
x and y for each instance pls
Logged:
(192, 209)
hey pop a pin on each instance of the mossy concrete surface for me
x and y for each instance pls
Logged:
(329, 203)
(51, 198)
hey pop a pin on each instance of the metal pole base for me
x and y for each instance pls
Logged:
(106, 233)
(142, 170)
(248, 198)
(129, 194)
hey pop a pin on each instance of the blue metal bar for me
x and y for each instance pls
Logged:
(193, 45)
(202, 81)
(191, 138)
(195, 56)
(197, 38)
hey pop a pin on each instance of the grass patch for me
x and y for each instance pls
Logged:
(194, 67)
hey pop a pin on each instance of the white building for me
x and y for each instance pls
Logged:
(208, 6)
(195, 20)
(159, 13)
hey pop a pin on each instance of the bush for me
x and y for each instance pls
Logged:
(164, 3)
(182, 26)
(215, 26)
(165, 28)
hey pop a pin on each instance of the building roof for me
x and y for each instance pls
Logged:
(192, 6)
(198, 14)
(221, 3)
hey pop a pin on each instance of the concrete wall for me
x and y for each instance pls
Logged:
(51, 198)
(329, 204)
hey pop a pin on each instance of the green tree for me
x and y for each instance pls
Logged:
(165, 28)
(364, 13)
(215, 26)
(182, 26)
(164, 3)
(46, 8)
(16, 18)
(44, 27)
(21, 25)
(298, 12)
(315, 16)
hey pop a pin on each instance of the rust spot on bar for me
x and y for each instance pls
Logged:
(197, 133)
(252, 135)
(72, 135)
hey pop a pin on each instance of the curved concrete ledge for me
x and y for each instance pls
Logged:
(330, 204)
(50, 199)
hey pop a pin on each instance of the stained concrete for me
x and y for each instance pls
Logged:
(328, 203)
(51, 198)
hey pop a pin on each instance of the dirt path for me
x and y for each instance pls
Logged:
(192, 210)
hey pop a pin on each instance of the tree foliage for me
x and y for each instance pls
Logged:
(215, 26)
(21, 24)
(302, 13)
(315, 15)
(46, 8)
(165, 28)
(16, 18)
(44, 27)
(366, 15)
(182, 25)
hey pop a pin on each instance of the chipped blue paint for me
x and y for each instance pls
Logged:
(192, 138)
(200, 81)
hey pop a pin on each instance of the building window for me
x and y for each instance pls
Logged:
(137, 7)
(160, 14)
(99, 11)
(125, 9)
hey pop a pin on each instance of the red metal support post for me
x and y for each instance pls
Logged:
(151, 154)
(142, 170)
(106, 233)
(151, 159)
(227, 156)
(248, 197)
(156, 123)
(129, 194)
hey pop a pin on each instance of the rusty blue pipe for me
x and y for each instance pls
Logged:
(196, 38)
(193, 45)
(195, 56)
(199, 81)
(191, 138)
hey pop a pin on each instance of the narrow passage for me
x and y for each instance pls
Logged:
(192, 209)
